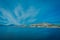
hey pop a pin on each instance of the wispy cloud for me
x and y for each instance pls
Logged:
(8, 16)
(22, 16)
(31, 12)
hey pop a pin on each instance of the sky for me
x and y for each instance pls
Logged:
(29, 11)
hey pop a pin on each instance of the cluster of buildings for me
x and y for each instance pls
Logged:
(43, 25)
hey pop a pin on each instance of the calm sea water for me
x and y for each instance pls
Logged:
(29, 33)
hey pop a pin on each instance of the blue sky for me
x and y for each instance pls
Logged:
(29, 11)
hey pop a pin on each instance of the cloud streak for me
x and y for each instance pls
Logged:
(22, 16)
